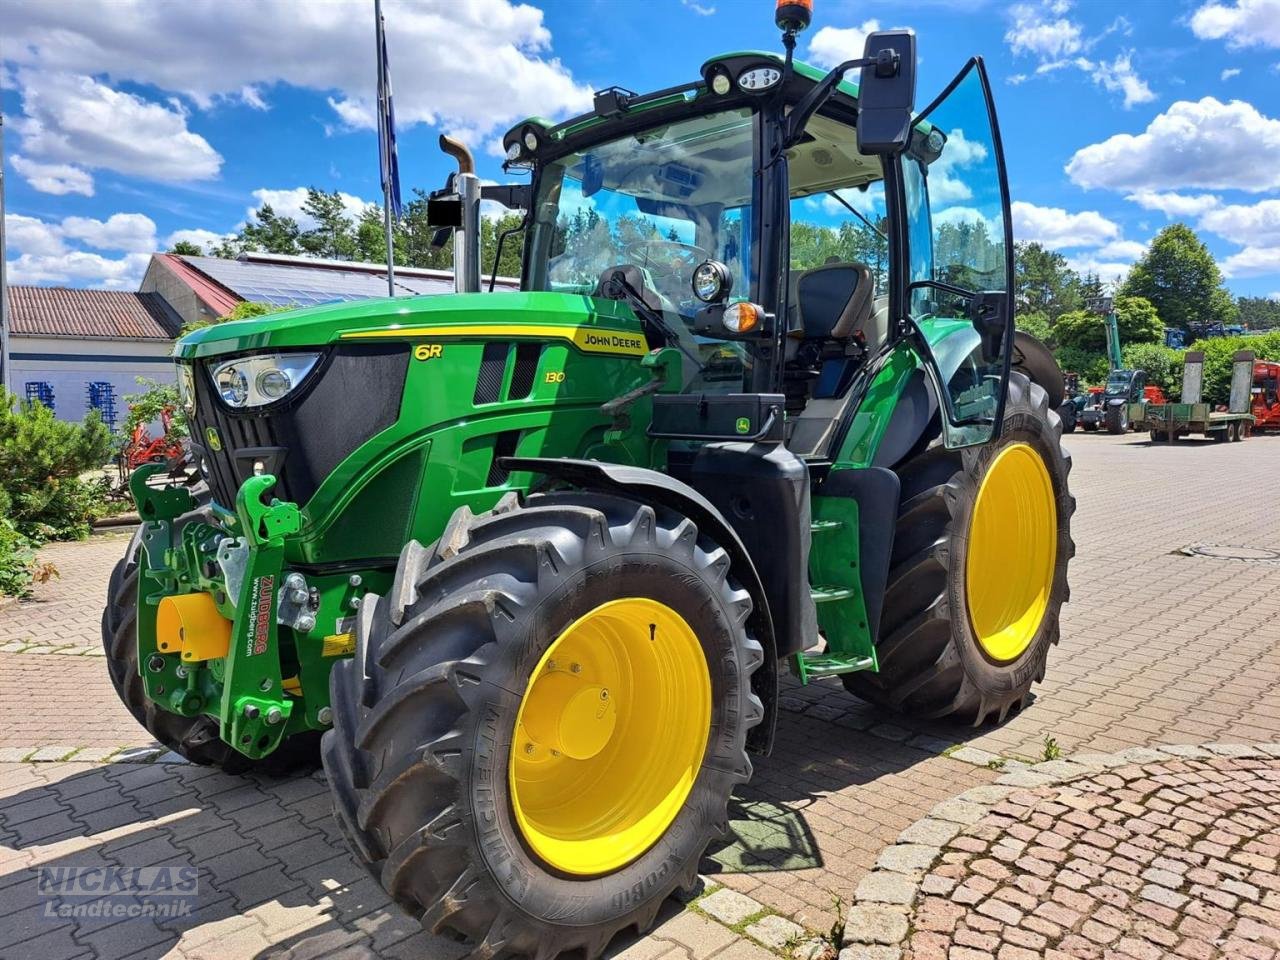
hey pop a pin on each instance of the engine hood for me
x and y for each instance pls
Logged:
(500, 315)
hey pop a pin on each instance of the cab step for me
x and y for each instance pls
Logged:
(811, 666)
(828, 594)
(821, 526)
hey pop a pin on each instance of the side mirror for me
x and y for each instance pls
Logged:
(887, 92)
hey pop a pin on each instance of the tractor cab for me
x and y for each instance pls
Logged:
(758, 229)
(1128, 386)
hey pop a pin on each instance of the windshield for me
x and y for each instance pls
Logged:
(663, 200)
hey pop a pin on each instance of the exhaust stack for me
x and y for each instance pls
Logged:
(466, 236)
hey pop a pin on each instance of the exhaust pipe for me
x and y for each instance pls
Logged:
(466, 236)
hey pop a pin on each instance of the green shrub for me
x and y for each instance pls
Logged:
(1036, 324)
(1162, 364)
(41, 460)
(18, 565)
(1090, 364)
(148, 405)
(1218, 352)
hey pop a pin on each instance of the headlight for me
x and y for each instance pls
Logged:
(261, 379)
(186, 387)
(711, 281)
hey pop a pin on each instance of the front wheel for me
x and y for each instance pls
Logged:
(543, 721)
(978, 572)
(1118, 418)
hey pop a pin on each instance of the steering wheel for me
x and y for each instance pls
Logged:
(665, 259)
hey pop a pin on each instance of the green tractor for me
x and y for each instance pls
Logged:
(525, 567)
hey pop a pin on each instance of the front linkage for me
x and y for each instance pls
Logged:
(212, 591)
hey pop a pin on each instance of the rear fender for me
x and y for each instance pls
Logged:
(650, 486)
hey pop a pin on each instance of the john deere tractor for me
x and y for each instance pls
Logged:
(531, 563)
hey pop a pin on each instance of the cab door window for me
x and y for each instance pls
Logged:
(959, 253)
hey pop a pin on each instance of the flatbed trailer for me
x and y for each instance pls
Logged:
(1192, 416)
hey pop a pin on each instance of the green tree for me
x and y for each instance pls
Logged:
(1135, 317)
(1043, 283)
(1036, 324)
(333, 237)
(1259, 313)
(1181, 279)
(270, 233)
(187, 248)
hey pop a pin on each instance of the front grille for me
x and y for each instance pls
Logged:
(353, 394)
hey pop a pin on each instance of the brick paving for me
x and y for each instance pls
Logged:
(1156, 648)
(1176, 858)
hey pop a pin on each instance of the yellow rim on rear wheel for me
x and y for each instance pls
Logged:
(1013, 544)
(610, 736)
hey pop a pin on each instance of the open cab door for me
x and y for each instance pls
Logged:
(959, 283)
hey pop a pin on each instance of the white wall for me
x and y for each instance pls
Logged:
(69, 365)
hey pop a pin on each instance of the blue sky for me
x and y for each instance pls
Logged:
(129, 123)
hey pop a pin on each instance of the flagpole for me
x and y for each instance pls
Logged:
(384, 148)
(6, 376)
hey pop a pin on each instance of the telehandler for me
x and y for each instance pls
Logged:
(531, 562)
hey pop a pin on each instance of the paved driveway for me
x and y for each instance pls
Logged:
(1158, 648)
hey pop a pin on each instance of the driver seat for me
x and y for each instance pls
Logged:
(833, 325)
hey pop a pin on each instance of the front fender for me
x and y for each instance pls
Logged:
(651, 486)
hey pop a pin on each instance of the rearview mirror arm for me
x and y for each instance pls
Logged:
(886, 62)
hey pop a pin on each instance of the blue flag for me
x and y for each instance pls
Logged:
(387, 128)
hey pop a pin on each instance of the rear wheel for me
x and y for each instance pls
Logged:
(195, 738)
(543, 721)
(1090, 425)
(978, 571)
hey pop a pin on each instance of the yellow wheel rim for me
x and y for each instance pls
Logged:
(610, 736)
(1013, 544)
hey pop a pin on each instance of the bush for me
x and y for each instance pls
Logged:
(1218, 352)
(149, 405)
(1162, 364)
(1091, 365)
(18, 565)
(41, 459)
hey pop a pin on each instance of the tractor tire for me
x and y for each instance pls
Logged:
(1067, 414)
(1031, 358)
(945, 648)
(479, 821)
(1090, 426)
(1117, 418)
(195, 738)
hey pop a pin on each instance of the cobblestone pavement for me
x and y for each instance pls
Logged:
(1157, 647)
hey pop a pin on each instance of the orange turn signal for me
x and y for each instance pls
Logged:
(741, 317)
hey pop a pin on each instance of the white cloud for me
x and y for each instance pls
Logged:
(1229, 73)
(1255, 225)
(45, 256)
(946, 184)
(120, 231)
(1175, 204)
(1056, 228)
(1252, 262)
(867, 202)
(79, 268)
(32, 235)
(1034, 31)
(288, 203)
(833, 45)
(71, 119)
(1122, 250)
(1244, 23)
(1118, 76)
(471, 68)
(204, 239)
(957, 216)
(56, 178)
(1108, 271)
(698, 8)
(1198, 145)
